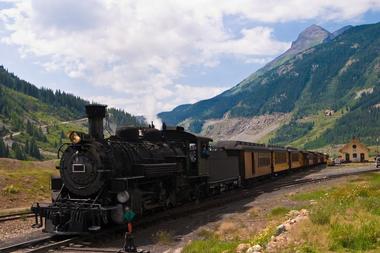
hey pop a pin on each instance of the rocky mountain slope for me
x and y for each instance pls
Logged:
(340, 72)
(35, 121)
(311, 36)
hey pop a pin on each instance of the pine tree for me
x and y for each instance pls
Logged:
(29, 128)
(7, 151)
(34, 150)
(20, 155)
(3, 151)
(27, 147)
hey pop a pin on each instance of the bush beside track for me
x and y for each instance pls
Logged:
(344, 218)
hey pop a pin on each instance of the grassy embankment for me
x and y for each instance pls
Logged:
(320, 124)
(342, 219)
(24, 182)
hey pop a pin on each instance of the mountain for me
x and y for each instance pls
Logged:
(310, 37)
(35, 121)
(338, 32)
(340, 72)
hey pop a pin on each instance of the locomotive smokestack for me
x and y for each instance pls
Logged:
(96, 114)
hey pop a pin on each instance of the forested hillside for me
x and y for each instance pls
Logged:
(35, 121)
(341, 74)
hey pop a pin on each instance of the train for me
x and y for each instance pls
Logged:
(143, 169)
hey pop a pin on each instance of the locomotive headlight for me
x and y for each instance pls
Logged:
(122, 197)
(74, 137)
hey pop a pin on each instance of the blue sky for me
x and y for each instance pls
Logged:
(150, 56)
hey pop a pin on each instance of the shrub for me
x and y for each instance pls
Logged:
(372, 204)
(321, 214)
(164, 237)
(359, 236)
(11, 189)
(264, 237)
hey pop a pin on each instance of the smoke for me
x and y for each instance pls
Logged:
(150, 110)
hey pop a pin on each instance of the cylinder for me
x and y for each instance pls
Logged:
(96, 113)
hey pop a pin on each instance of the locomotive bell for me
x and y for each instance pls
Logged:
(96, 113)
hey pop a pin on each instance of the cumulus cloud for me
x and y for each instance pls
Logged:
(140, 48)
(178, 94)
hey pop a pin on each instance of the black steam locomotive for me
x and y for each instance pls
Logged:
(138, 168)
(142, 169)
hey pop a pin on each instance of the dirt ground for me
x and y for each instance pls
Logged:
(242, 216)
(250, 214)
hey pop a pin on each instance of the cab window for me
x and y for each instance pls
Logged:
(193, 152)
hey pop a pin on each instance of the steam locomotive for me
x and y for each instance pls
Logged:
(142, 169)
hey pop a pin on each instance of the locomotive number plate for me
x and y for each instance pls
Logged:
(79, 168)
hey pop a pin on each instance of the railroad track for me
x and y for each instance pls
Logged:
(42, 244)
(81, 244)
(16, 216)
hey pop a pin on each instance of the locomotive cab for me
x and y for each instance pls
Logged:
(196, 148)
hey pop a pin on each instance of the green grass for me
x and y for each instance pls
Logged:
(210, 242)
(359, 236)
(321, 124)
(347, 217)
(303, 248)
(279, 211)
(24, 182)
(211, 246)
(321, 214)
(314, 195)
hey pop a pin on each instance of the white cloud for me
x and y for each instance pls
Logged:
(164, 99)
(140, 48)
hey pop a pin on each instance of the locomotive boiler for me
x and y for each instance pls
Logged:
(136, 169)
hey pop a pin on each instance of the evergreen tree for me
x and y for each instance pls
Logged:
(34, 150)
(7, 150)
(20, 155)
(3, 149)
(29, 128)
(27, 147)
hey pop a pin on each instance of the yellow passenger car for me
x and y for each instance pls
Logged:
(280, 159)
(296, 159)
